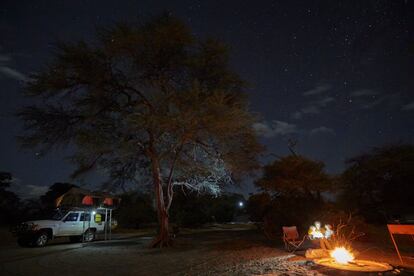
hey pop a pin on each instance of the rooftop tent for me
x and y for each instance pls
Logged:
(108, 201)
(77, 197)
(87, 200)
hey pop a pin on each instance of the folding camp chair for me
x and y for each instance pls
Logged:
(291, 238)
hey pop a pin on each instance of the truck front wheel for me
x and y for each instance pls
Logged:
(41, 239)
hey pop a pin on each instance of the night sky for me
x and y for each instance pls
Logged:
(337, 76)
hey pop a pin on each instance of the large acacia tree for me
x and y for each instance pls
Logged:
(145, 101)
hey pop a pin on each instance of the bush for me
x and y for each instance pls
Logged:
(135, 209)
(279, 211)
(286, 211)
(257, 206)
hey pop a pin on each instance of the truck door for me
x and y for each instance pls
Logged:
(85, 222)
(69, 225)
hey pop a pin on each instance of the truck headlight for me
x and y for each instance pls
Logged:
(34, 227)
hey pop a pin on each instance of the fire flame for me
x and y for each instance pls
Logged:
(341, 255)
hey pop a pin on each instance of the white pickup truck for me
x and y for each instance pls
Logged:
(77, 224)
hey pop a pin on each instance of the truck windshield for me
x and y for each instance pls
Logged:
(57, 215)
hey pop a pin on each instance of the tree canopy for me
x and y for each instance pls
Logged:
(294, 176)
(147, 103)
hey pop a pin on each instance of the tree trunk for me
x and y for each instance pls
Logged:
(163, 238)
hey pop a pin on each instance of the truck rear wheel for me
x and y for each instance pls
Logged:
(89, 235)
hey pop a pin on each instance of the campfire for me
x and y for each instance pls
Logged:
(335, 250)
(343, 259)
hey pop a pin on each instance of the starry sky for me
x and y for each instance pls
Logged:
(335, 76)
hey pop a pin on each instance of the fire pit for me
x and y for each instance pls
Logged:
(343, 259)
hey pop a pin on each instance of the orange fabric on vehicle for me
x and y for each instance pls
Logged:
(108, 201)
(87, 200)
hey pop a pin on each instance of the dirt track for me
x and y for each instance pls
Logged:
(129, 255)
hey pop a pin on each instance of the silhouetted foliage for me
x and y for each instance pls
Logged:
(5, 180)
(257, 206)
(148, 101)
(191, 209)
(379, 184)
(225, 208)
(9, 201)
(136, 210)
(32, 209)
(275, 211)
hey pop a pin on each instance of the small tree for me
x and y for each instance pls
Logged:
(148, 103)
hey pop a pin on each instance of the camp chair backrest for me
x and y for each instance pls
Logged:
(290, 232)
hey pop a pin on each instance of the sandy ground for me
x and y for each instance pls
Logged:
(202, 253)
(213, 251)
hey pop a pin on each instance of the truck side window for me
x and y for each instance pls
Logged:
(72, 217)
(85, 217)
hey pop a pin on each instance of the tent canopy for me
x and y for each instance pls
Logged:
(78, 197)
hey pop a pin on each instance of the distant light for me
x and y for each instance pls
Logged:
(93, 212)
(241, 204)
